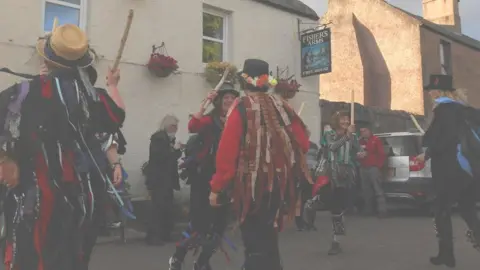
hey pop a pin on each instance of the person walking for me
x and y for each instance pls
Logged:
(343, 149)
(207, 224)
(372, 160)
(261, 155)
(455, 178)
(162, 179)
(51, 158)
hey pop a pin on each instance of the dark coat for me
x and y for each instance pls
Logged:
(162, 170)
(51, 135)
(441, 140)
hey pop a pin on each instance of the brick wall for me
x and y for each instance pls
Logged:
(465, 65)
(376, 53)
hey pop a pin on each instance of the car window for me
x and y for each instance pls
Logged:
(402, 145)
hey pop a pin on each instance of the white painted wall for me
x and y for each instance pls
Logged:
(255, 31)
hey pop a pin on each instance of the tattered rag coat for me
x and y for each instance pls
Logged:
(48, 126)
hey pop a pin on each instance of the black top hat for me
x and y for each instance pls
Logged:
(255, 67)
(226, 88)
(440, 82)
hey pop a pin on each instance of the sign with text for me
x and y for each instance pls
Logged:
(316, 52)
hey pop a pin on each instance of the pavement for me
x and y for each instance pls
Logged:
(402, 242)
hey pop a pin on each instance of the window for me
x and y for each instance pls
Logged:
(445, 57)
(66, 11)
(214, 45)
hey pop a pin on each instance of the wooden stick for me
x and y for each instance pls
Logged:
(124, 40)
(417, 125)
(219, 84)
(55, 24)
(301, 108)
(352, 109)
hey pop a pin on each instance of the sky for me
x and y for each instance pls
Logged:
(469, 12)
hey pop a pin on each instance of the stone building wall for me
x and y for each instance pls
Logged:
(376, 52)
(465, 65)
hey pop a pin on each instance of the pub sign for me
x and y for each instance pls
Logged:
(316, 52)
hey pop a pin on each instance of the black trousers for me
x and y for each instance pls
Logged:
(466, 199)
(206, 222)
(161, 221)
(338, 202)
(96, 225)
(260, 237)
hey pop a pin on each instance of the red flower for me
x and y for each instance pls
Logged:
(161, 61)
(292, 85)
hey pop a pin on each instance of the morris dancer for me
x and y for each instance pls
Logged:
(342, 149)
(207, 225)
(452, 182)
(51, 156)
(262, 153)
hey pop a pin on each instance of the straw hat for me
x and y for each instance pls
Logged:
(66, 47)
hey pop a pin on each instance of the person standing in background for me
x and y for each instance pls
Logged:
(162, 179)
(372, 160)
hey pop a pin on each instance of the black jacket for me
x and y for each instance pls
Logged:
(441, 140)
(162, 170)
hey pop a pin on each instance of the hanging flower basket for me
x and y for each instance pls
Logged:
(287, 88)
(160, 64)
(214, 72)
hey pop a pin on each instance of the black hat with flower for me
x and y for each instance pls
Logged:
(256, 76)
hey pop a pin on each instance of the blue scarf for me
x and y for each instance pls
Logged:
(462, 160)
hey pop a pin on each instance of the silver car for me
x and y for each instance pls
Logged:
(407, 181)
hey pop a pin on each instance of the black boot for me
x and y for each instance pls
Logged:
(445, 254)
(197, 266)
(335, 248)
(174, 263)
(300, 224)
(473, 239)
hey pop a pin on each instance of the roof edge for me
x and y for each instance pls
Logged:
(306, 11)
(458, 40)
(440, 30)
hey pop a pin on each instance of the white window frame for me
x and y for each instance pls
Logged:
(82, 7)
(446, 68)
(224, 42)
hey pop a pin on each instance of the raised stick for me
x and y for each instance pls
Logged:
(301, 108)
(55, 24)
(352, 109)
(124, 40)
(219, 84)
(417, 125)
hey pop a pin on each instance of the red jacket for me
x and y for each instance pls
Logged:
(375, 153)
(229, 149)
(202, 125)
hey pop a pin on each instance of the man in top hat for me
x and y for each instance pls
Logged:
(51, 160)
(262, 153)
(451, 146)
(207, 225)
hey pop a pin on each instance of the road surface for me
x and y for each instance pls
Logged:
(402, 242)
